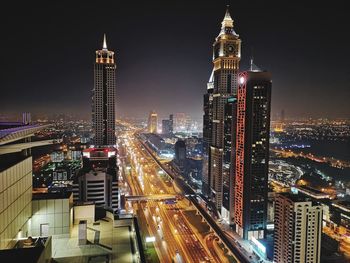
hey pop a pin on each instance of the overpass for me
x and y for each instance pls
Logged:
(150, 197)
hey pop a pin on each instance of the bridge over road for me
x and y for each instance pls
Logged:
(162, 197)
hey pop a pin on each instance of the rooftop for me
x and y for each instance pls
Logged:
(26, 250)
(295, 197)
(16, 133)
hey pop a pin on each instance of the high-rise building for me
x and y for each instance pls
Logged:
(153, 122)
(171, 118)
(298, 229)
(97, 181)
(103, 97)
(166, 126)
(226, 57)
(252, 153)
(207, 134)
(180, 122)
(180, 153)
(16, 174)
(230, 113)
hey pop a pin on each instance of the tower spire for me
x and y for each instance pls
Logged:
(251, 59)
(228, 21)
(104, 42)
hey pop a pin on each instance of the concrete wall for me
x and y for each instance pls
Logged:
(15, 201)
(54, 212)
(84, 212)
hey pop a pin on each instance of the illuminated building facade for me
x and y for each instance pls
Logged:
(229, 159)
(152, 122)
(298, 229)
(252, 154)
(103, 97)
(226, 57)
(207, 135)
(97, 180)
(16, 175)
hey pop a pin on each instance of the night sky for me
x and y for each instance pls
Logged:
(163, 54)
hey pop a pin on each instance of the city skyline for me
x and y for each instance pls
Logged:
(168, 82)
(183, 139)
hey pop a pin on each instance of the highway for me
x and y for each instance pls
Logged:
(174, 235)
(238, 254)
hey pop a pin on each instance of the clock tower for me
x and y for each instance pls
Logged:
(226, 58)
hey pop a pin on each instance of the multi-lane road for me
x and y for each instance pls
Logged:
(174, 235)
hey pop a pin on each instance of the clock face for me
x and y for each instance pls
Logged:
(231, 49)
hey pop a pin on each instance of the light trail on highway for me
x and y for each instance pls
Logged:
(174, 235)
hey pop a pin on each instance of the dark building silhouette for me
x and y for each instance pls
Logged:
(180, 153)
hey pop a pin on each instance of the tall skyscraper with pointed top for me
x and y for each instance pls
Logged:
(223, 84)
(103, 97)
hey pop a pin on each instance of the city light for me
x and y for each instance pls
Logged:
(163, 153)
(259, 245)
(150, 239)
(241, 80)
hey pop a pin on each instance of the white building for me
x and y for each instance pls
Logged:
(51, 214)
(15, 181)
(298, 229)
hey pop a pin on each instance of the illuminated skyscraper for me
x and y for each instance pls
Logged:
(207, 135)
(298, 229)
(152, 122)
(252, 153)
(226, 57)
(103, 97)
(227, 209)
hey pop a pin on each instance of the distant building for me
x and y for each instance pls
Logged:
(166, 126)
(97, 180)
(180, 122)
(180, 153)
(152, 122)
(57, 157)
(298, 229)
(252, 154)
(103, 97)
(171, 118)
